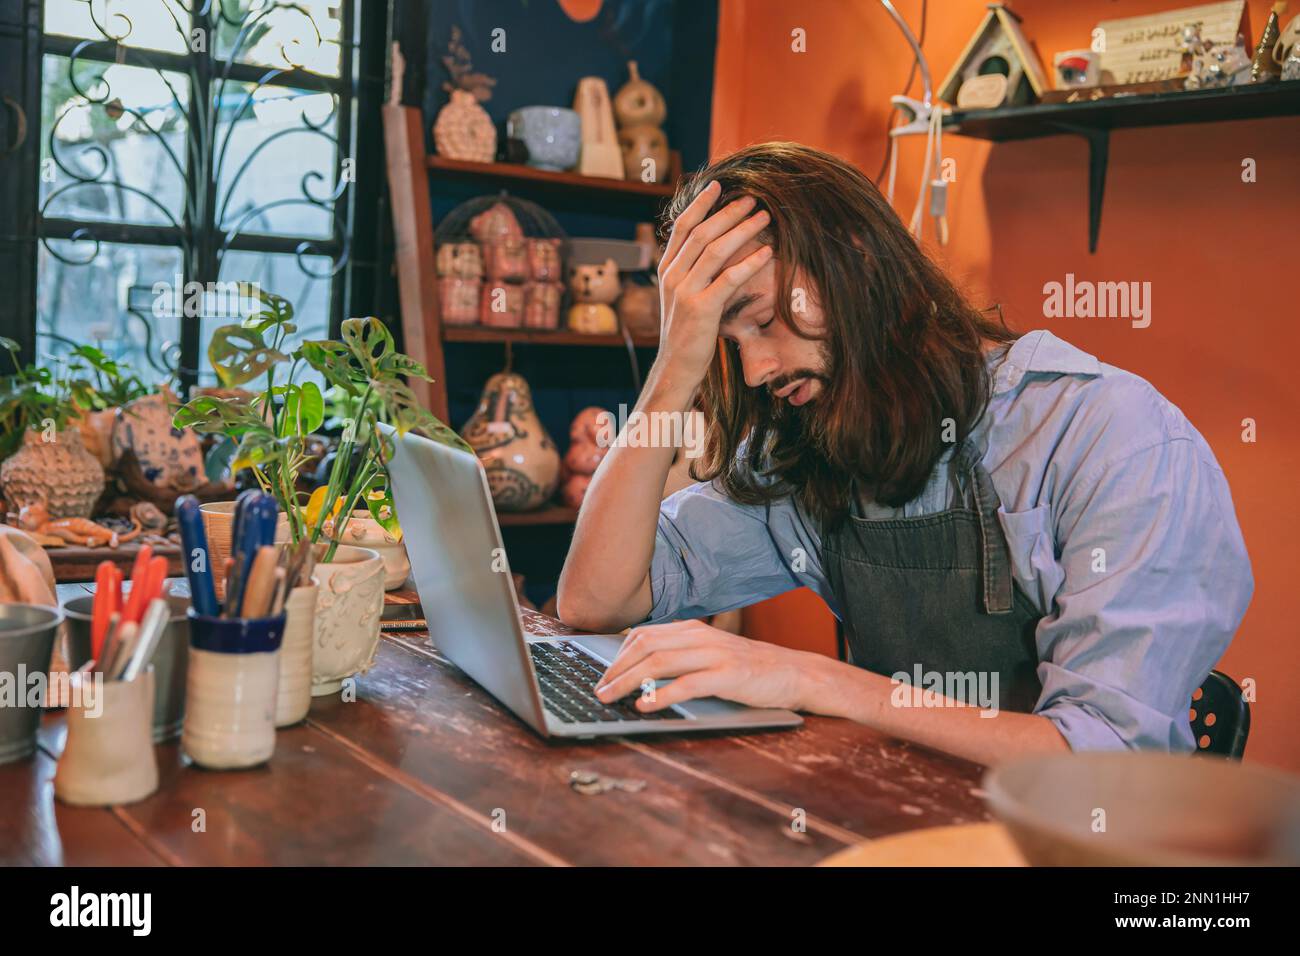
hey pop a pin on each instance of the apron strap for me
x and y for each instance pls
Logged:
(997, 554)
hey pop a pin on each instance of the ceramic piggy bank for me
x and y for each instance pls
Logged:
(594, 288)
(522, 463)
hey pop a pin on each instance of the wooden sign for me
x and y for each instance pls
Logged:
(1141, 49)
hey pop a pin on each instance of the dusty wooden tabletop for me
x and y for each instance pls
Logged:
(424, 767)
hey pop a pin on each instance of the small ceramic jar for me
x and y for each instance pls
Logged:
(545, 263)
(293, 699)
(506, 260)
(461, 260)
(349, 604)
(542, 305)
(108, 758)
(233, 689)
(502, 306)
(458, 300)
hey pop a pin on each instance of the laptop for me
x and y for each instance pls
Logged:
(460, 570)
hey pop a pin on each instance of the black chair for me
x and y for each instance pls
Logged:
(1220, 717)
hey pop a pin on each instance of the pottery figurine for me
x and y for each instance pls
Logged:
(638, 308)
(59, 474)
(638, 101)
(502, 305)
(545, 261)
(506, 260)
(522, 463)
(495, 223)
(458, 300)
(600, 153)
(594, 287)
(645, 153)
(542, 305)
(464, 260)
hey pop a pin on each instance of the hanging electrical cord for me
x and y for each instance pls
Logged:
(907, 87)
(921, 117)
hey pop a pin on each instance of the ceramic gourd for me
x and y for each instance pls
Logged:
(640, 111)
(589, 442)
(638, 101)
(594, 288)
(522, 463)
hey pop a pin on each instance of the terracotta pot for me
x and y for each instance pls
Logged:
(60, 473)
(522, 463)
(294, 697)
(363, 531)
(97, 435)
(218, 526)
(349, 602)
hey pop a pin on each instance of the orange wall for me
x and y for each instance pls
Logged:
(1218, 252)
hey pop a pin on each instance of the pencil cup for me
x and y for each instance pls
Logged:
(231, 690)
(27, 634)
(170, 659)
(108, 757)
(294, 697)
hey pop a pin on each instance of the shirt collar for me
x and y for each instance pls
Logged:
(1041, 351)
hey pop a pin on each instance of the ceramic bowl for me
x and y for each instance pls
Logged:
(552, 135)
(1147, 809)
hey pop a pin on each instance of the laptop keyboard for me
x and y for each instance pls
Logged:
(568, 676)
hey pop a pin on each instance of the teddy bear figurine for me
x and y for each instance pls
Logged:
(594, 288)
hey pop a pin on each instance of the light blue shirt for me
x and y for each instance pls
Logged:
(1121, 529)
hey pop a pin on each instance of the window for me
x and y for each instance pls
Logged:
(190, 142)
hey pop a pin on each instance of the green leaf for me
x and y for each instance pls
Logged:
(332, 360)
(208, 414)
(370, 343)
(240, 355)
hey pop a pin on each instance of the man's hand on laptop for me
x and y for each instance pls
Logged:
(706, 662)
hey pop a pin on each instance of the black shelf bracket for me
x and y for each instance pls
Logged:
(1098, 160)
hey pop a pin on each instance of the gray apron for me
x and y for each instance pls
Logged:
(937, 591)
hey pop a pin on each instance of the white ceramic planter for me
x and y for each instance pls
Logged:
(363, 531)
(108, 758)
(230, 708)
(294, 697)
(349, 602)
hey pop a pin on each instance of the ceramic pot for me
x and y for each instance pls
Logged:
(551, 134)
(170, 659)
(169, 457)
(363, 531)
(232, 690)
(522, 463)
(26, 642)
(464, 130)
(108, 758)
(60, 473)
(349, 602)
(294, 696)
(459, 300)
(218, 527)
(638, 101)
(97, 435)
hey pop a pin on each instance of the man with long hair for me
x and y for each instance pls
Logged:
(999, 510)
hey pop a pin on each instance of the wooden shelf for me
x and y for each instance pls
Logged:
(498, 174)
(1094, 119)
(475, 333)
(549, 514)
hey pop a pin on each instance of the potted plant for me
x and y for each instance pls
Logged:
(104, 387)
(44, 458)
(272, 430)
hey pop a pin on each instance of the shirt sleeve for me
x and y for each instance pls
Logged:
(713, 554)
(1156, 581)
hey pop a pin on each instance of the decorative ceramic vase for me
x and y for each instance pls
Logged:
(59, 473)
(522, 463)
(349, 603)
(464, 130)
(363, 531)
(552, 136)
(169, 457)
(293, 697)
(108, 756)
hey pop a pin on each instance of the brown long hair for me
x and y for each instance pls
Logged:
(903, 347)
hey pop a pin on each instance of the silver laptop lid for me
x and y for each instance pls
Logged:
(450, 530)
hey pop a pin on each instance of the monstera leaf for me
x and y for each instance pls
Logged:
(304, 408)
(211, 415)
(239, 355)
(277, 314)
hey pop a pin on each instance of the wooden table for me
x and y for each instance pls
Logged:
(426, 768)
